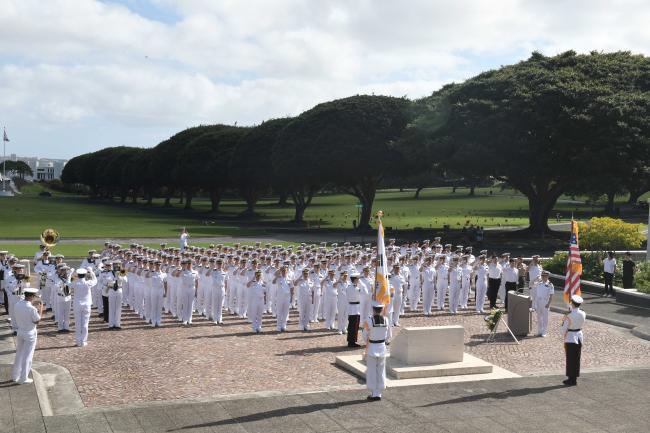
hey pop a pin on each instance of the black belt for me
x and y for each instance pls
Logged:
(376, 341)
(574, 330)
(354, 303)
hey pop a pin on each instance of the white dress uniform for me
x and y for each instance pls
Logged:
(415, 288)
(282, 301)
(14, 289)
(330, 300)
(81, 288)
(342, 306)
(428, 288)
(465, 283)
(534, 274)
(455, 276)
(115, 295)
(257, 300)
(306, 296)
(25, 315)
(379, 333)
(219, 283)
(543, 292)
(481, 271)
(397, 284)
(442, 282)
(316, 278)
(44, 269)
(156, 282)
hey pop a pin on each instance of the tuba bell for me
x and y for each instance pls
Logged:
(49, 237)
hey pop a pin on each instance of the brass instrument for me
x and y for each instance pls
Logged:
(49, 237)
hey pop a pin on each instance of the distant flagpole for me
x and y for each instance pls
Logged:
(5, 139)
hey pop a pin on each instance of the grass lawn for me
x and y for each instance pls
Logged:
(27, 215)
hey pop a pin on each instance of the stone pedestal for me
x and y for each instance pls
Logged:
(428, 345)
(519, 316)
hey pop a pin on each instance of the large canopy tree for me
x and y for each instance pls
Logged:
(204, 162)
(251, 170)
(545, 124)
(347, 142)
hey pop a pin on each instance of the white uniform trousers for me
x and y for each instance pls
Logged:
(207, 301)
(441, 292)
(315, 307)
(114, 308)
(481, 290)
(282, 304)
(376, 374)
(242, 300)
(25, 345)
(414, 296)
(454, 296)
(342, 314)
(199, 304)
(12, 303)
(397, 309)
(304, 313)
(170, 300)
(216, 301)
(179, 302)
(187, 304)
(464, 292)
(81, 319)
(156, 307)
(97, 298)
(256, 312)
(428, 293)
(542, 317)
(63, 313)
(533, 298)
(329, 310)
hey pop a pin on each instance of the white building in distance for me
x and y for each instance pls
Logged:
(43, 168)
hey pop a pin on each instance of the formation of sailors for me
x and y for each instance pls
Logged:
(329, 283)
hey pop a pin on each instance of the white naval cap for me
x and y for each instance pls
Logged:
(31, 290)
(577, 299)
(377, 304)
(81, 271)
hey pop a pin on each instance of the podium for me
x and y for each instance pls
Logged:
(520, 318)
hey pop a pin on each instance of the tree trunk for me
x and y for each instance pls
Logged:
(634, 196)
(149, 195)
(188, 199)
(539, 209)
(134, 196)
(365, 191)
(609, 206)
(453, 189)
(284, 197)
(301, 199)
(249, 194)
(168, 197)
(472, 189)
(417, 193)
(181, 197)
(215, 200)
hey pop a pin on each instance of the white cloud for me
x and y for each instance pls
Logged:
(82, 64)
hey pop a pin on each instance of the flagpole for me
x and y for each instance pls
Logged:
(4, 158)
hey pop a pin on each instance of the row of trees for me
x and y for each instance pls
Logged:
(546, 126)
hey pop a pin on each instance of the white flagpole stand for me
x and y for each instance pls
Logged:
(493, 334)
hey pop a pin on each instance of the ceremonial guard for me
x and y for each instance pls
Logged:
(397, 284)
(81, 288)
(543, 297)
(28, 312)
(353, 293)
(378, 334)
(572, 331)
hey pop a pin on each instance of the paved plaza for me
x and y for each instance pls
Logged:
(140, 363)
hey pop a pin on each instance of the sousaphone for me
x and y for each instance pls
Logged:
(49, 237)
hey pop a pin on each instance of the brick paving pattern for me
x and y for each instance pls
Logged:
(140, 363)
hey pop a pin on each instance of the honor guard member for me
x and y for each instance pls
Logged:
(353, 293)
(305, 296)
(481, 272)
(428, 285)
(28, 312)
(378, 334)
(81, 287)
(572, 331)
(283, 296)
(219, 288)
(397, 283)
(257, 296)
(543, 297)
(63, 296)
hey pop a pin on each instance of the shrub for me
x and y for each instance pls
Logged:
(592, 266)
(642, 277)
(602, 234)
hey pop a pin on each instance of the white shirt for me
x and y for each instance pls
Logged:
(81, 289)
(574, 320)
(25, 315)
(183, 240)
(494, 271)
(609, 265)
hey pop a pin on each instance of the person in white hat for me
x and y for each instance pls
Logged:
(378, 333)
(353, 293)
(572, 332)
(543, 296)
(16, 282)
(28, 312)
(534, 275)
(83, 300)
(258, 292)
(305, 288)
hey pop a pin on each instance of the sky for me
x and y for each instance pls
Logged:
(80, 75)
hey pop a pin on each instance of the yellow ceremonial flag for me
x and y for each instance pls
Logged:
(382, 291)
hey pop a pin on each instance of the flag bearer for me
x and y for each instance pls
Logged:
(377, 335)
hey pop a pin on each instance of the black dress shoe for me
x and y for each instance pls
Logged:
(354, 345)
(569, 382)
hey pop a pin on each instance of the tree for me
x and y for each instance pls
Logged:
(251, 169)
(347, 142)
(17, 168)
(546, 123)
(203, 163)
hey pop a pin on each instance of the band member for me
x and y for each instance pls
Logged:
(28, 312)
(81, 287)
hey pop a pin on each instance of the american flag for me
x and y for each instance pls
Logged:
(4, 135)
(573, 266)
